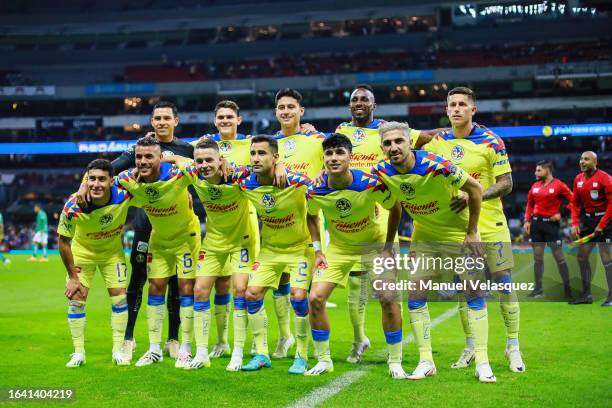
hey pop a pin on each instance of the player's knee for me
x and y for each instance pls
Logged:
(157, 288)
(252, 294)
(317, 301)
(386, 298)
(300, 306)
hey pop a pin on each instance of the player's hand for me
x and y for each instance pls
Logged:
(598, 230)
(83, 197)
(527, 227)
(225, 167)
(280, 175)
(459, 202)
(473, 244)
(576, 232)
(556, 218)
(388, 250)
(73, 285)
(152, 134)
(307, 128)
(319, 181)
(320, 261)
(136, 174)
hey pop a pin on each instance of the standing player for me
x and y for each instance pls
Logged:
(363, 133)
(234, 147)
(3, 258)
(300, 152)
(425, 183)
(483, 155)
(164, 120)
(593, 191)
(174, 244)
(90, 240)
(286, 248)
(347, 198)
(544, 209)
(41, 236)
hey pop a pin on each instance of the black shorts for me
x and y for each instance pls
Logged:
(588, 225)
(545, 231)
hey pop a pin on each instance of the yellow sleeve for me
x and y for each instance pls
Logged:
(414, 137)
(498, 157)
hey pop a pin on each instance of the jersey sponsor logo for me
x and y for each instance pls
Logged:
(344, 207)
(408, 190)
(457, 153)
(421, 209)
(359, 135)
(67, 226)
(551, 190)
(268, 201)
(580, 183)
(215, 193)
(152, 193)
(225, 147)
(167, 153)
(142, 246)
(536, 189)
(595, 184)
(106, 219)
(202, 255)
(594, 194)
(105, 234)
(140, 258)
(289, 147)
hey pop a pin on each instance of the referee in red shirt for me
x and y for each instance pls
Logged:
(593, 192)
(542, 218)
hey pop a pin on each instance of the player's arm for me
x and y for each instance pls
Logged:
(175, 159)
(73, 285)
(424, 136)
(474, 194)
(603, 223)
(575, 210)
(312, 221)
(502, 187)
(395, 216)
(528, 212)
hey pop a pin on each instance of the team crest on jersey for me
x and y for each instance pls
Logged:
(202, 256)
(359, 135)
(268, 201)
(289, 146)
(215, 193)
(106, 219)
(594, 194)
(152, 193)
(457, 153)
(343, 206)
(167, 153)
(408, 190)
(225, 147)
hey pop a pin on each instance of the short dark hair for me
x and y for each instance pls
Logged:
(148, 141)
(292, 93)
(101, 164)
(207, 143)
(337, 140)
(166, 104)
(463, 90)
(229, 105)
(268, 139)
(546, 164)
(364, 86)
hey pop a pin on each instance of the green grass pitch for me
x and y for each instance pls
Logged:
(566, 350)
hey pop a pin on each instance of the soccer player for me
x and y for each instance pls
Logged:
(3, 258)
(234, 147)
(227, 251)
(174, 243)
(363, 133)
(300, 152)
(41, 236)
(286, 248)
(424, 183)
(164, 120)
(90, 240)
(483, 155)
(593, 191)
(347, 198)
(542, 217)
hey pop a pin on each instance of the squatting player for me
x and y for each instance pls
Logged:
(285, 248)
(483, 155)
(347, 199)
(593, 191)
(174, 244)
(226, 254)
(299, 151)
(424, 183)
(90, 240)
(164, 120)
(542, 217)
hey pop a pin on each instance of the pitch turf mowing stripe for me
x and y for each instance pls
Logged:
(321, 394)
